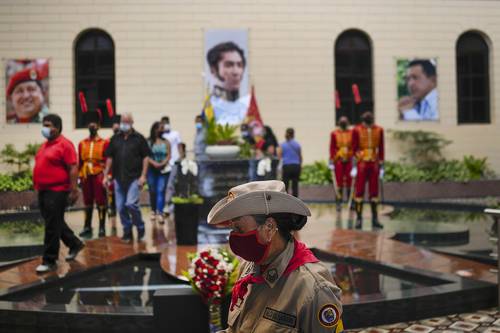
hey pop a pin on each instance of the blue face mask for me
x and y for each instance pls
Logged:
(199, 125)
(46, 132)
(124, 127)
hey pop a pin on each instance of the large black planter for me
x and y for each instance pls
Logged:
(186, 223)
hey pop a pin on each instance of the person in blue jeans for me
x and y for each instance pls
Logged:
(158, 171)
(128, 156)
(290, 153)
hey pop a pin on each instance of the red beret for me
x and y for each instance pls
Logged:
(28, 74)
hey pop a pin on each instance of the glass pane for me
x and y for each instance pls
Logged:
(105, 63)
(478, 111)
(85, 63)
(478, 63)
(104, 43)
(471, 42)
(106, 89)
(462, 64)
(353, 40)
(464, 87)
(479, 87)
(86, 43)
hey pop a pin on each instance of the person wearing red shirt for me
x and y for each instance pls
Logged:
(341, 159)
(55, 177)
(91, 165)
(368, 147)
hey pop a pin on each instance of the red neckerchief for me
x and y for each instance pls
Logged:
(301, 255)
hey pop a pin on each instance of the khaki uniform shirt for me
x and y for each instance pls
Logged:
(307, 300)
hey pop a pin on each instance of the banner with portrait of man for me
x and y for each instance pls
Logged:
(418, 98)
(226, 74)
(27, 90)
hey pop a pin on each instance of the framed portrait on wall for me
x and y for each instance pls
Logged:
(226, 74)
(27, 90)
(418, 95)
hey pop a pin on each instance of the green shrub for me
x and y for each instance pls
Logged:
(20, 159)
(317, 173)
(17, 183)
(469, 168)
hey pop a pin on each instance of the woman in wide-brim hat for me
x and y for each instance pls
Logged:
(282, 286)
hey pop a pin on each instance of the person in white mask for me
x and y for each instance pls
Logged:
(174, 138)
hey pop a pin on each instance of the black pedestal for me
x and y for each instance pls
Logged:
(180, 309)
(186, 223)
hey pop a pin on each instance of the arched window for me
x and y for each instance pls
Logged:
(473, 82)
(353, 66)
(94, 73)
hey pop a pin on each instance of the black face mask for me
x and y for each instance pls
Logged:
(343, 125)
(368, 120)
(116, 130)
(93, 131)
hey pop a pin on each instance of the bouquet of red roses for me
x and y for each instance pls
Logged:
(212, 274)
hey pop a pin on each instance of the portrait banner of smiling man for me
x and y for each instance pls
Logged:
(226, 74)
(417, 90)
(27, 90)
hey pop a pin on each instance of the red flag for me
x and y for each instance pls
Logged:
(355, 92)
(83, 102)
(253, 113)
(99, 113)
(109, 106)
(337, 99)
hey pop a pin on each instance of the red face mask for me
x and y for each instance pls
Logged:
(248, 247)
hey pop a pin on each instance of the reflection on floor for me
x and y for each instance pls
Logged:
(485, 321)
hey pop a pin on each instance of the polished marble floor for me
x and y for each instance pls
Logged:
(483, 321)
(323, 231)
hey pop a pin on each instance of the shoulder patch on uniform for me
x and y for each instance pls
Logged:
(280, 317)
(329, 315)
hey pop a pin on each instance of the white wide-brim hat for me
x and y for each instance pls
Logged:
(262, 197)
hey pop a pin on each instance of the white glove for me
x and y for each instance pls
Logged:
(381, 173)
(354, 172)
(331, 166)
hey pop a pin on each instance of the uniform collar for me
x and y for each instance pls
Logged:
(275, 269)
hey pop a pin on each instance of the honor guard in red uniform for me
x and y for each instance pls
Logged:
(91, 166)
(368, 147)
(341, 159)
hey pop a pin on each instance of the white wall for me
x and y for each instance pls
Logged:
(159, 59)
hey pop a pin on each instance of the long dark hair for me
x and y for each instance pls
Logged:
(152, 132)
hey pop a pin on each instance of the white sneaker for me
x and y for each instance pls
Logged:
(43, 268)
(153, 217)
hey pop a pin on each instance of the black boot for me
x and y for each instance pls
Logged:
(375, 223)
(102, 220)
(87, 228)
(359, 214)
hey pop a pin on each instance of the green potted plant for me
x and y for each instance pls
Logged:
(222, 141)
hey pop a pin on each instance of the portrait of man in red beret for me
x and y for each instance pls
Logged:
(27, 90)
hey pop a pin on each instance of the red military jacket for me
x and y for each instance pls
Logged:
(368, 143)
(341, 145)
(91, 156)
